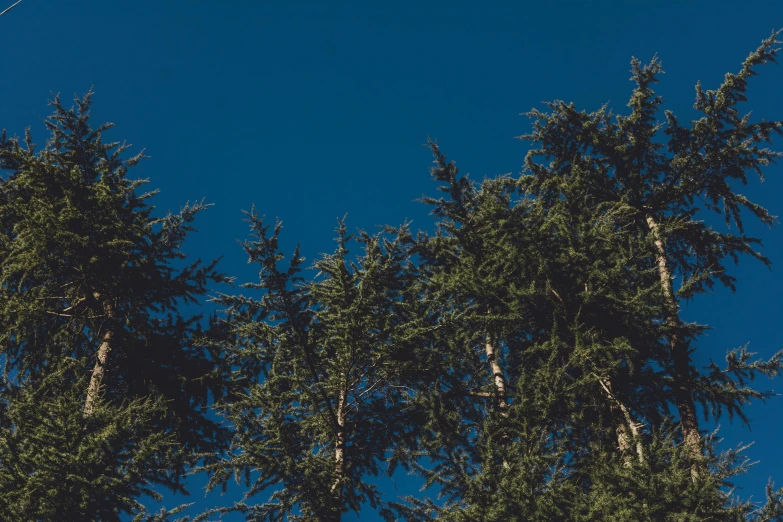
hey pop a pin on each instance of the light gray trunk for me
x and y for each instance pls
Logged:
(683, 392)
(339, 455)
(499, 380)
(497, 376)
(94, 388)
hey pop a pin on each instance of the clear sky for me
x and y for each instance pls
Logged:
(310, 110)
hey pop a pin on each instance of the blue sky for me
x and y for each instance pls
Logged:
(310, 110)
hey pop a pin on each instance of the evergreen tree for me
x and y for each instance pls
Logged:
(88, 276)
(660, 188)
(321, 367)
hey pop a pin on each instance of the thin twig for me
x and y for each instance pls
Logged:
(9, 8)
(71, 315)
(485, 395)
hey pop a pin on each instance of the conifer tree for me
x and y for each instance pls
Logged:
(662, 189)
(89, 277)
(321, 367)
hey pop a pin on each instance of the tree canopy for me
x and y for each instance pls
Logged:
(527, 358)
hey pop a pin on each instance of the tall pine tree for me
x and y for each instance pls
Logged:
(663, 188)
(322, 367)
(89, 285)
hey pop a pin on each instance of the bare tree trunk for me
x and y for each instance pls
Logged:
(626, 423)
(339, 455)
(500, 387)
(497, 375)
(683, 387)
(100, 364)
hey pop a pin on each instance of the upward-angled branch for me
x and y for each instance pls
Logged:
(625, 424)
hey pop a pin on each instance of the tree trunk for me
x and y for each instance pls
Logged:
(339, 456)
(683, 387)
(100, 364)
(626, 423)
(497, 375)
(500, 387)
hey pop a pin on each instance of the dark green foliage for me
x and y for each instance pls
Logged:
(662, 487)
(55, 465)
